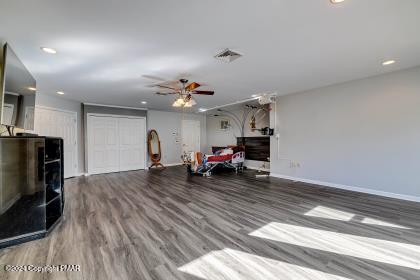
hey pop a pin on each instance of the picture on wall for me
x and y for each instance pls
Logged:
(224, 124)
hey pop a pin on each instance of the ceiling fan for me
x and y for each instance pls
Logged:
(182, 89)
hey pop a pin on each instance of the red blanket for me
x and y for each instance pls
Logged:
(219, 158)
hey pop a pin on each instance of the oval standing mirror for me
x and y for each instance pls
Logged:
(155, 151)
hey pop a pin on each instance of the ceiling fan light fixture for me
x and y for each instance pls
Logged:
(176, 104)
(190, 103)
(179, 102)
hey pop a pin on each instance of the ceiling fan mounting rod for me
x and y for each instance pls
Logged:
(183, 81)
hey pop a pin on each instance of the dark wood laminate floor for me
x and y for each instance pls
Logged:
(166, 225)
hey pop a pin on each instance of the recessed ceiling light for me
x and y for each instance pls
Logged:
(388, 62)
(49, 50)
(32, 88)
(144, 102)
(336, 1)
(60, 92)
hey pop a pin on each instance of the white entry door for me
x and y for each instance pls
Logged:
(190, 136)
(52, 122)
(115, 144)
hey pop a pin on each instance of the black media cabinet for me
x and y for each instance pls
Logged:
(31, 187)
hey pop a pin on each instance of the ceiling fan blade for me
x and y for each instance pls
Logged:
(192, 86)
(171, 84)
(165, 93)
(168, 87)
(154, 78)
(203, 92)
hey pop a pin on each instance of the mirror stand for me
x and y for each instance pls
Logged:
(155, 151)
(157, 164)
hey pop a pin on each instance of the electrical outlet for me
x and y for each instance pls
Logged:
(294, 164)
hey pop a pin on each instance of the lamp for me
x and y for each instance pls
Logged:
(190, 103)
(179, 102)
(184, 102)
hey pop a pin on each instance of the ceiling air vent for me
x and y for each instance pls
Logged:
(228, 56)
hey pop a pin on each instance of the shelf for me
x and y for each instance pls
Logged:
(52, 149)
(53, 211)
(53, 199)
(52, 194)
(52, 161)
(53, 177)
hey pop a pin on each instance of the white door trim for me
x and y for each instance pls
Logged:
(88, 115)
(56, 109)
(76, 171)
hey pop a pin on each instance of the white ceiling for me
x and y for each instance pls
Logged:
(105, 46)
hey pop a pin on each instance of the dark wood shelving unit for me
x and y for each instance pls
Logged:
(32, 169)
(256, 148)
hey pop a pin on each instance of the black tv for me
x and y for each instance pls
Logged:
(18, 90)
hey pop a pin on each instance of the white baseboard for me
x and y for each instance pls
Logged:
(88, 174)
(349, 188)
(257, 168)
(172, 164)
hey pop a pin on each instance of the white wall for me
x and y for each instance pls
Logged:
(218, 137)
(68, 105)
(364, 133)
(168, 126)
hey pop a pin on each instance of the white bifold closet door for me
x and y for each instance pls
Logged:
(116, 144)
(132, 144)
